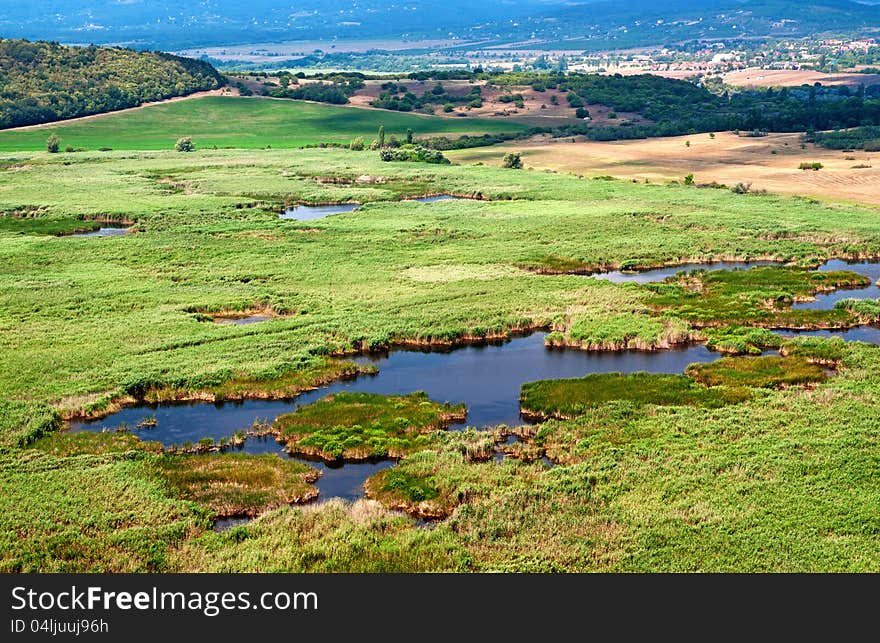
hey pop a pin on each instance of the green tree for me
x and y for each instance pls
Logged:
(53, 143)
(381, 138)
(512, 161)
(409, 137)
(185, 144)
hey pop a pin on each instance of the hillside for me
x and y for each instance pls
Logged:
(250, 123)
(43, 82)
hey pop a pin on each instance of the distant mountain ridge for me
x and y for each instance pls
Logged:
(170, 25)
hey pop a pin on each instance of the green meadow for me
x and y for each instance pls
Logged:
(249, 123)
(783, 480)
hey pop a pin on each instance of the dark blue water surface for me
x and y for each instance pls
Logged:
(827, 301)
(486, 378)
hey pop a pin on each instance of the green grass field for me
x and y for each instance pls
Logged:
(88, 322)
(250, 123)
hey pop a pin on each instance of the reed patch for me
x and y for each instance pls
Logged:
(357, 426)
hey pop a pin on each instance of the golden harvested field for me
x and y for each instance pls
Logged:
(769, 163)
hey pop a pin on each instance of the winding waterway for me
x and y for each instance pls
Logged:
(487, 378)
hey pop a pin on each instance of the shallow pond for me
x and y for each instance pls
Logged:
(106, 230)
(659, 274)
(310, 212)
(827, 301)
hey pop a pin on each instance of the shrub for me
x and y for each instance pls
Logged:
(512, 161)
(412, 153)
(741, 188)
(185, 144)
(53, 143)
(357, 144)
(810, 165)
(689, 179)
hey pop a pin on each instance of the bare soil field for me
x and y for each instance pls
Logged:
(754, 77)
(767, 163)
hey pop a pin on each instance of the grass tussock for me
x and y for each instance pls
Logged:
(741, 340)
(760, 297)
(770, 371)
(432, 484)
(65, 444)
(238, 484)
(357, 426)
(572, 397)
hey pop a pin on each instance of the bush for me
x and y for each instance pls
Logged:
(357, 144)
(815, 166)
(689, 179)
(53, 143)
(582, 112)
(414, 154)
(185, 144)
(512, 161)
(741, 188)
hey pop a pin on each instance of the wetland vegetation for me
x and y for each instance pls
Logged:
(692, 482)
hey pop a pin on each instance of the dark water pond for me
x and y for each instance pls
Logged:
(310, 212)
(827, 301)
(106, 230)
(486, 378)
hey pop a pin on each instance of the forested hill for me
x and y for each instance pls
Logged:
(42, 82)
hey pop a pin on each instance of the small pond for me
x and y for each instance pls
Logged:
(241, 321)
(106, 230)
(310, 212)
(827, 301)
(441, 197)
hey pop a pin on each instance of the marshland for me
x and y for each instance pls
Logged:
(392, 328)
